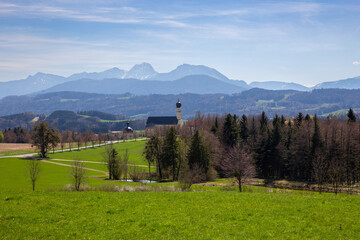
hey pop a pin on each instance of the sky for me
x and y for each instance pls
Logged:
(306, 42)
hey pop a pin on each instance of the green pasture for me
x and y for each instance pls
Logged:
(177, 215)
(96, 154)
(160, 210)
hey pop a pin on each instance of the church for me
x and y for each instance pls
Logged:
(166, 120)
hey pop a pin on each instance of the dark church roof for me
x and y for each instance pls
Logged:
(152, 121)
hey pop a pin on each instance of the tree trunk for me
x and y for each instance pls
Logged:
(149, 173)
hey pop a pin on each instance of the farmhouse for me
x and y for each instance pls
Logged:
(166, 120)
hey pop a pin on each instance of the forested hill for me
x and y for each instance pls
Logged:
(253, 101)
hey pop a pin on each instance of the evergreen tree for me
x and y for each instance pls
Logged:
(170, 152)
(230, 133)
(298, 120)
(253, 133)
(283, 120)
(263, 122)
(351, 116)
(215, 127)
(244, 129)
(316, 140)
(198, 154)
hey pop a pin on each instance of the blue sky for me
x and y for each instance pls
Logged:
(306, 42)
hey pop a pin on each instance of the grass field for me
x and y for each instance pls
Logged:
(96, 154)
(206, 212)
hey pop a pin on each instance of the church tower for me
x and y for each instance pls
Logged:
(178, 110)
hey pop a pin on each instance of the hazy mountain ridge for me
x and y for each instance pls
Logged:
(69, 120)
(144, 71)
(253, 101)
(200, 84)
(349, 83)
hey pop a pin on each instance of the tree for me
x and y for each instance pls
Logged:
(351, 116)
(198, 155)
(55, 138)
(124, 164)
(111, 159)
(319, 162)
(299, 119)
(78, 173)
(79, 140)
(170, 152)
(34, 171)
(215, 127)
(244, 129)
(151, 152)
(239, 164)
(229, 133)
(263, 123)
(1, 136)
(43, 138)
(68, 138)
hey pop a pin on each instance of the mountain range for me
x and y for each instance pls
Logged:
(143, 79)
(287, 102)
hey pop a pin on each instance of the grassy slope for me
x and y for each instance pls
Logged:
(209, 214)
(178, 215)
(96, 154)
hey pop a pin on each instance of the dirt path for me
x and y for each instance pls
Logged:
(68, 165)
(69, 160)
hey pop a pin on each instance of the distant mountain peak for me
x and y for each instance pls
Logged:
(141, 71)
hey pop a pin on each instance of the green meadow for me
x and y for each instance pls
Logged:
(96, 154)
(160, 210)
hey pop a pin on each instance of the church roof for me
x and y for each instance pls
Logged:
(167, 120)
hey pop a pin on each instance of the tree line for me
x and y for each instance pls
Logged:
(303, 148)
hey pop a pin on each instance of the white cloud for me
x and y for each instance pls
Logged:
(356, 63)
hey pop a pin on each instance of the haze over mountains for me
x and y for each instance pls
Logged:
(143, 79)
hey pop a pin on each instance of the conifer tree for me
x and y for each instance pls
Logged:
(198, 155)
(244, 129)
(263, 122)
(170, 152)
(298, 120)
(230, 133)
(215, 127)
(351, 116)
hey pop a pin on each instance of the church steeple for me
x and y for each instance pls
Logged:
(178, 110)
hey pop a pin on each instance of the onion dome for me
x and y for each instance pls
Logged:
(178, 104)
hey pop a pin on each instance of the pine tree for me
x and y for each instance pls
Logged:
(263, 123)
(316, 140)
(230, 133)
(170, 152)
(198, 154)
(351, 116)
(215, 127)
(244, 129)
(299, 119)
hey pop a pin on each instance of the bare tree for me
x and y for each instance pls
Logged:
(125, 160)
(239, 164)
(34, 171)
(79, 140)
(320, 167)
(78, 174)
(188, 176)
